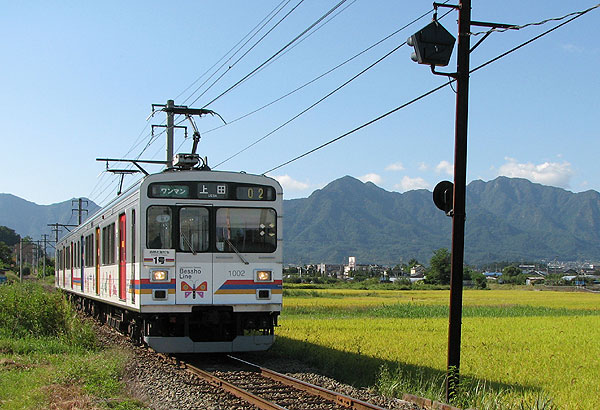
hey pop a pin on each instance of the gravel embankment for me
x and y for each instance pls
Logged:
(162, 385)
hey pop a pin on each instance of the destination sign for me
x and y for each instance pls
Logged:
(170, 191)
(212, 190)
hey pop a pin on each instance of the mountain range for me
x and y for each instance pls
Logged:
(508, 219)
(30, 219)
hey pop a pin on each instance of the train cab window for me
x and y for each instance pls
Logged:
(246, 230)
(193, 229)
(159, 227)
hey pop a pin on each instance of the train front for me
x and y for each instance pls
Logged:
(210, 277)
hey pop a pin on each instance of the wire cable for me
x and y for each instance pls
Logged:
(361, 126)
(323, 74)
(251, 73)
(321, 99)
(243, 55)
(539, 23)
(427, 93)
(255, 29)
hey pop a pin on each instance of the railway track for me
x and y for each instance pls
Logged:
(269, 390)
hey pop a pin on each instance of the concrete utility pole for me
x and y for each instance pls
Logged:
(170, 124)
(20, 259)
(80, 210)
(45, 239)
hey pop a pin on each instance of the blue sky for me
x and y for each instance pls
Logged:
(78, 79)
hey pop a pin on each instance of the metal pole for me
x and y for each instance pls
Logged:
(458, 217)
(170, 123)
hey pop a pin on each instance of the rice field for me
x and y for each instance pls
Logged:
(516, 343)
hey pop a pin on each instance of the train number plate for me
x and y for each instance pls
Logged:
(159, 257)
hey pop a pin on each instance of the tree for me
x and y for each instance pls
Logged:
(5, 253)
(511, 271)
(8, 236)
(439, 268)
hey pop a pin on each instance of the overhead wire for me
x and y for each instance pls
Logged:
(255, 28)
(328, 94)
(579, 14)
(262, 25)
(243, 55)
(539, 23)
(251, 73)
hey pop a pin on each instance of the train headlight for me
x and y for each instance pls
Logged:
(264, 276)
(159, 275)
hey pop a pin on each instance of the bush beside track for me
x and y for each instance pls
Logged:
(50, 358)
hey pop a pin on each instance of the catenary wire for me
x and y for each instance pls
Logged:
(321, 99)
(254, 30)
(427, 93)
(245, 53)
(321, 75)
(251, 73)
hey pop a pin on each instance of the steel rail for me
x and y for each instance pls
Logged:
(236, 391)
(338, 398)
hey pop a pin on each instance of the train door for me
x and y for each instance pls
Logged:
(194, 275)
(97, 261)
(71, 261)
(132, 258)
(82, 261)
(122, 257)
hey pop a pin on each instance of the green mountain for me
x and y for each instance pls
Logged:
(507, 219)
(30, 219)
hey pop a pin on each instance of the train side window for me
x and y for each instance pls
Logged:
(193, 229)
(108, 244)
(246, 230)
(159, 227)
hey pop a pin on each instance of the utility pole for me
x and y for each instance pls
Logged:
(80, 210)
(170, 123)
(45, 239)
(21, 259)
(460, 181)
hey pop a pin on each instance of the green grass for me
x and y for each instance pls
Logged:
(48, 356)
(520, 349)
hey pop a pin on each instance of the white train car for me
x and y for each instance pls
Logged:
(185, 261)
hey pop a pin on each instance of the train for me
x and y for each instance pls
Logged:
(184, 261)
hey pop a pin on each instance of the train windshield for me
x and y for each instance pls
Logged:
(159, 227)
(193, 229)
(246, 230)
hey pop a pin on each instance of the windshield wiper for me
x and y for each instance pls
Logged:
(185, 239)
(236, 251)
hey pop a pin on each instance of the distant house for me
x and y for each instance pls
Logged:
(532, 280)
(417, 270)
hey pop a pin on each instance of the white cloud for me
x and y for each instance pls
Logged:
(409, 184)
(446, 167)
(572, 48)
(397, 166)
(290, 184)
(423, 166)
(374, 178)
(547, 173)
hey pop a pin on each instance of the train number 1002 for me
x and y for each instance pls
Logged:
(237, 273)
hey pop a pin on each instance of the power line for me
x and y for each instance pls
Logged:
(312, 105)
(429, 92)
(539, 23)
(323, 74)
(361, 126)
(264, 23)
(329, 94)
(251, 73)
